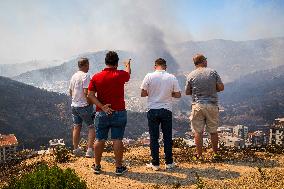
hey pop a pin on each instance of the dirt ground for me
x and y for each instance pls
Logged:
(265, 171)
(242, 174)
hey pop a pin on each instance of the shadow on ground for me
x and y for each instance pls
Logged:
(183, 176)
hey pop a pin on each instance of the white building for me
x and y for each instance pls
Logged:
(258, 138)
(56, 142)
(276, 134)
(231, 141)
(8, 147)
(241, 131)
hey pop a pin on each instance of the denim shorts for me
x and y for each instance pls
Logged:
(115, 122)
(83, 114)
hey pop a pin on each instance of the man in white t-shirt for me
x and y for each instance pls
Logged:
(160, 87)
(82, 110)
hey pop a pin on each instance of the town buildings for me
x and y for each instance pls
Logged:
(276, 136)
(8, 147)
(241, 131)
(232, 141)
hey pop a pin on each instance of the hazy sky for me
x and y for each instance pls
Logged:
(48, 29)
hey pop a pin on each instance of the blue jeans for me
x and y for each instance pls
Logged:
(163, 117)
(115, 122)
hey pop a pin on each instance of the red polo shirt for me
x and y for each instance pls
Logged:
(109, 85)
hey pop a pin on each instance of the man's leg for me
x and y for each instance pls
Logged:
(214, 141)
(118, 123)
(197, 119)
(91, 137)
(198, 138)
(76, 135)
(153, 123)
(118, 152)
(86, 115)
(77, 125)
(102, 128)
(212, 123)
(99, 148)
(166, 125)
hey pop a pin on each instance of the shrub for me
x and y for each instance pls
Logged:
(51, 178)
(62, 154)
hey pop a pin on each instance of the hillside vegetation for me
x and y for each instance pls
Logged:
(34, 115)
(255, 99)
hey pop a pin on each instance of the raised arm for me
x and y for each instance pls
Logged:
(127, 66)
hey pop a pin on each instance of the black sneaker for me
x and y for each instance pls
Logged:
(120, 170)
(96, 168)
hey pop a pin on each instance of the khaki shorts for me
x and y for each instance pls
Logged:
(204, 115)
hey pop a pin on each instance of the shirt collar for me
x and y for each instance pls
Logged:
(109, 69)
(160, 70)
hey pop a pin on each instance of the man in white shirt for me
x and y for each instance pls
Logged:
(82, 110)
(160, 87)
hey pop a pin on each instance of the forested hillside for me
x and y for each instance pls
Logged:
(35, 116)
(257, 98)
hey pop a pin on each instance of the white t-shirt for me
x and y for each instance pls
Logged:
(79, 81)
(160, 85)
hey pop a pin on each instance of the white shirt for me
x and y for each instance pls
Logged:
(79, 81)
(159, 86)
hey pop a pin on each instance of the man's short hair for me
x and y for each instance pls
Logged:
(161, 62)
(198, 59)
(83, 62)
(111, 58)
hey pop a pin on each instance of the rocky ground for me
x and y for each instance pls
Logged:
(262, 171)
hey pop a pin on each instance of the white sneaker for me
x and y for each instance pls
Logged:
(170, 166)
(90, 154)
(77, 152)
(153, 167)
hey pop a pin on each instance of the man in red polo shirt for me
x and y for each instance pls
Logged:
(106, 91)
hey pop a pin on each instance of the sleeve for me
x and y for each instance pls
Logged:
(218, 78)
(176, 87)
(92, 86)
(86, 81)
(125, 76)
(145, 83)
(188, 83)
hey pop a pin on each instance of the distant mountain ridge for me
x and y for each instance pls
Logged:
(255, 99)
(232, 60)
(12, 70)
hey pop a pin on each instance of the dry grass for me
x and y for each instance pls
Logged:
(264, 171)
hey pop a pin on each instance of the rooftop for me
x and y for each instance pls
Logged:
(280, 119)
(8, 140)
